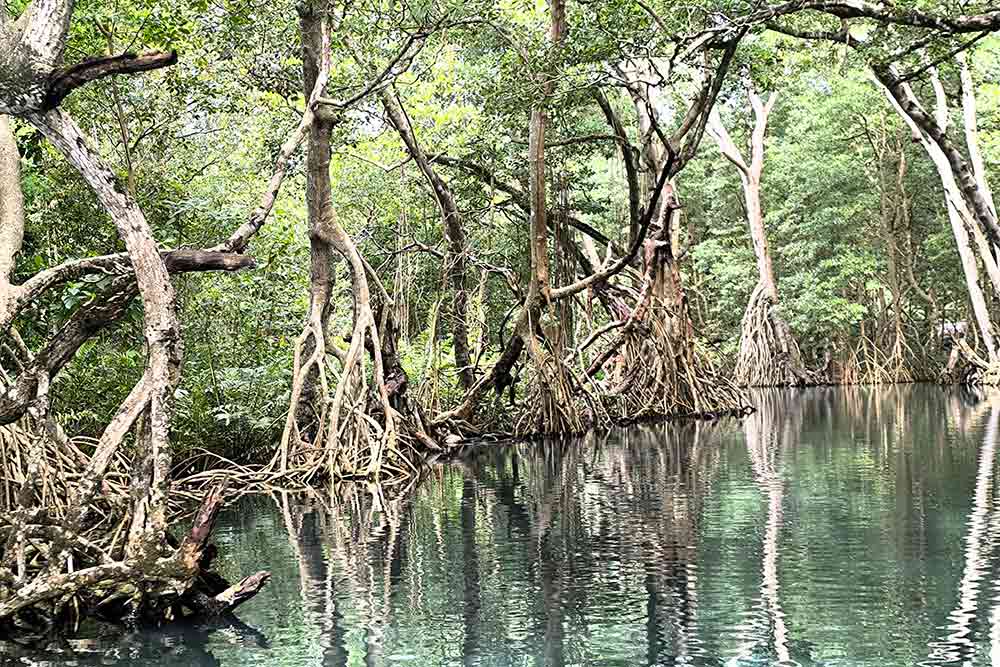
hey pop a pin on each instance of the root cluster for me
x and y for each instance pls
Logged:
(645, 365)
(769, 355)
(72, 549)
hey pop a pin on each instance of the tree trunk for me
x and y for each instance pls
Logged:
(356, 437)
(935, 132)
(555, 409)
(319, 207)
(769, 354)
(455, 259)
(901, 99)
(11, 209)
(971, 126)
(162, 329)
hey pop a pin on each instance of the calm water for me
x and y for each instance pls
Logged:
(835, 527)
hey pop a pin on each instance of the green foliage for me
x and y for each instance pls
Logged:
(199, 139)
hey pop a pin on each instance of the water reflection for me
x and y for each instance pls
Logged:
(832, 527)
(960, 643)
(171, 646)
(768, 434)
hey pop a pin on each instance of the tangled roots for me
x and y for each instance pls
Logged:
(769, 355)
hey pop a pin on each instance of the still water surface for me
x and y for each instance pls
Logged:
(834, 527)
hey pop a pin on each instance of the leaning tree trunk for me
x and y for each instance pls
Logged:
(162, 329)
(769, 354)
(934, 130)
(455, 259)
(971, 126)
(960, 212)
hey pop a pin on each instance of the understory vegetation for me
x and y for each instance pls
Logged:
(291, 242)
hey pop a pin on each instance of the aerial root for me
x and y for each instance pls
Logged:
(59, 565)
(871, 363)
(769, 355)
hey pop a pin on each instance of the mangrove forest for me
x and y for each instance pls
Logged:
(506, 322)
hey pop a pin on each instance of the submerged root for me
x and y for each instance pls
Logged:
(769, 355)
(63, 558)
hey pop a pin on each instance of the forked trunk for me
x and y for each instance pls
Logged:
(768, 354)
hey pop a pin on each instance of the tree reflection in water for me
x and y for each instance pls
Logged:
(615, 549)
(959, 644)
(769, 433)
(853, 526)
(516, 549)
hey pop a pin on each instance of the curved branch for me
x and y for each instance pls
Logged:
(628, 156)
(617, 267)
(65, 81)
(885, 13)
(239, 239)
(85, 323)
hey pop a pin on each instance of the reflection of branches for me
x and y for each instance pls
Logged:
(629, 500)
(765, 450)
(959, 643)
(359, 534)
(316, 579)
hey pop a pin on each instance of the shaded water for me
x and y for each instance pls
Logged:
(834, 527)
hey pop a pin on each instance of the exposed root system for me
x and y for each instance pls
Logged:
(769, 355)
(71, 548)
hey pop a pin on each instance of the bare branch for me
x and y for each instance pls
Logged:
(238, 241)
(725, 142)
(885, 13)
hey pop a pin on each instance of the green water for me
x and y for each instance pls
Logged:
(834, 527)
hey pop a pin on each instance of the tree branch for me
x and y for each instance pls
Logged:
(725, 142)
(886, 13)
(177, 261)
(65, 81)
(628, 156)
